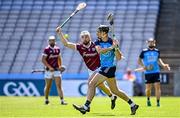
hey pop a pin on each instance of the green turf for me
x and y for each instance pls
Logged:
(34, 107)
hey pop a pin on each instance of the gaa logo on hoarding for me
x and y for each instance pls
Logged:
(20, 89)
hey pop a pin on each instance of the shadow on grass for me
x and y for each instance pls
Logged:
(103, 114)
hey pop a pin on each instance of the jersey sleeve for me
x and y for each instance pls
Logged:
(78, 46)
(59, 51)
(141, 55)
(45, 52)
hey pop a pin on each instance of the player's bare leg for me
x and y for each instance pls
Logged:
(148, 93)
(59, 89)
(101, 86)
(48, 83)
(95, 81)
(106, 90)
(91, 77)
(157, 92)
(113, 87)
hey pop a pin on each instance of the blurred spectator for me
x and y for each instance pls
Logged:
(137, 87)
(129, 76)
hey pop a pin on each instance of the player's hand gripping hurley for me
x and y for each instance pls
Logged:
(80, 6)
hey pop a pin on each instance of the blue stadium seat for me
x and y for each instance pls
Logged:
(26, 24)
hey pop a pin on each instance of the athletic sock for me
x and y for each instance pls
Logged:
(87, 104)
(131, 103)
(62, 100)
(158, 101)
(148, 98)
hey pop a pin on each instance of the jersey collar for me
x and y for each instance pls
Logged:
(87, 46)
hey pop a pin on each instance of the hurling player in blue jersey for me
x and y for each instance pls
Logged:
(109, 53)
(150, 61)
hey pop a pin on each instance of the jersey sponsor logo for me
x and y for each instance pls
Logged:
(83, 48)
(151, 59)
(20, 89)
(53, 56)
(151, 56)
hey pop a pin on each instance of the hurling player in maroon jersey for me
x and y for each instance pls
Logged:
(52, 61)
(87, 50)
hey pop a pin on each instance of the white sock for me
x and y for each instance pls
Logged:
(62, 100)
(85, 107)
(132, 105)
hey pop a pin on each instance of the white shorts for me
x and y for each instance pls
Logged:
(51, 75)
(91, 72)
(95, 71)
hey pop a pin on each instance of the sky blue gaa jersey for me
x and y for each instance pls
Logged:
(107, 59)
(150, 59)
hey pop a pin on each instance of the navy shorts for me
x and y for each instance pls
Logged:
(108, 72)
(152, 78)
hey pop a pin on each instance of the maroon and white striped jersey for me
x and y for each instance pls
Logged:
(90, 55)
(52, 56)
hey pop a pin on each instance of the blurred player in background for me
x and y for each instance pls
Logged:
(87, 50)
(150, 60)
(108, 50)
(52, 61)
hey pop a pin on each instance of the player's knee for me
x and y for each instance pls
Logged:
(47, 88)
(148, 90)
(92, 84)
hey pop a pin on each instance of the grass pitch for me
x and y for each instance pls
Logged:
(100, 107)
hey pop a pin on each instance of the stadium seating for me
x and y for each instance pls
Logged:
(26, 24)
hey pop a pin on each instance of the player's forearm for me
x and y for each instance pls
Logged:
(140, 63)
(104, 50)
(66, 42)
(118, 54)
(63, 39)
(45, 63)
(90, 55)
(161, 63)
(59, 61)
